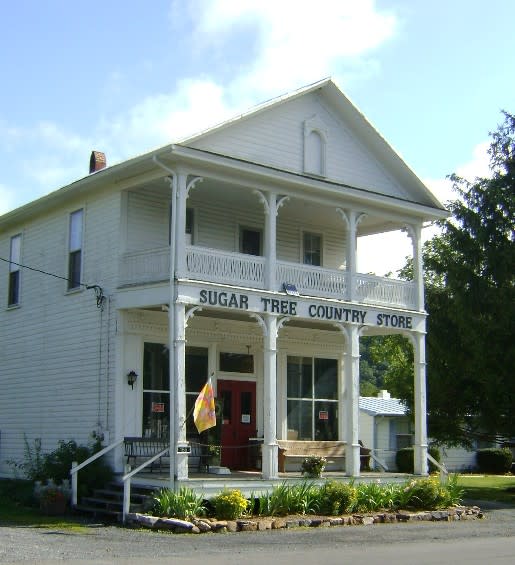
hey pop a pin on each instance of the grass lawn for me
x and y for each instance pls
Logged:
(17, 508)
(499, 488)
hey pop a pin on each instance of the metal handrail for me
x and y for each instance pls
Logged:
(76, 467)
(127, 481)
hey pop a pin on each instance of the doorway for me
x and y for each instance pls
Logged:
(238, 422)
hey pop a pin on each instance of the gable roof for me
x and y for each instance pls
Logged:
(382, 406)
(350, 115)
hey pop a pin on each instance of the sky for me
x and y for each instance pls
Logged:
(127, 76)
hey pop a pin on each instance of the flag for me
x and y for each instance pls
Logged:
(204, 414)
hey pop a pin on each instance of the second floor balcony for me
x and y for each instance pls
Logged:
(249, 271)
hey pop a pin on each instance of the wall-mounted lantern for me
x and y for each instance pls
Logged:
(131, 378)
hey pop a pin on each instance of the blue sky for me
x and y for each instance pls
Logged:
(125, 76)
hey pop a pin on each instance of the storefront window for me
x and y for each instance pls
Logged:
(312, 398)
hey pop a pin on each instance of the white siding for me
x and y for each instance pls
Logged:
(54, 349)
(276, 138)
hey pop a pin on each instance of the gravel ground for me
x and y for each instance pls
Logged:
(102, 544)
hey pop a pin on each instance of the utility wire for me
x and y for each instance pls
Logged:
(98, 289)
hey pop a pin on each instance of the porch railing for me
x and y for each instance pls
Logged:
(311, 280)
(238, 269)
(230, 268)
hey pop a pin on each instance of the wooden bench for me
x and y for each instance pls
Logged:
(300, 450)
(331, 450)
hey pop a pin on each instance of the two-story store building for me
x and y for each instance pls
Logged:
(231, 253)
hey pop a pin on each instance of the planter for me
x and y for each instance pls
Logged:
(55, 506)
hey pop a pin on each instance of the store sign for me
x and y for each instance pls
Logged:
(158, 406)
(303, 309)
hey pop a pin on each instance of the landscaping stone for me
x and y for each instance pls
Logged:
(247, 526)
(278, 524)
(232, 526)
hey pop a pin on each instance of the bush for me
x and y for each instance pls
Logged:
(229, 505)
(184, 504)
(424, 494)
(404, 459)
(494, 460)
(337, 498)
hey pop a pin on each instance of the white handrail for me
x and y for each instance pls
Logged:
(76, 467)
(443, 469)
(127, 481)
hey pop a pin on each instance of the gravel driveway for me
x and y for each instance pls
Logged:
(111, 544)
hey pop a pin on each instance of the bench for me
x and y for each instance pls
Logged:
(331, 450)
(146, 447)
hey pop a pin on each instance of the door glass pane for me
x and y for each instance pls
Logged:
(156, 367)
(246, 408)
(156, 415)
(326, 381)
(227, 406)
(299, 377)
(300, 418)
(326, 421)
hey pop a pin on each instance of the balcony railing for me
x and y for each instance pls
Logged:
(249, 271)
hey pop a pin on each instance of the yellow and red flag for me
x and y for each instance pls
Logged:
(204, 414)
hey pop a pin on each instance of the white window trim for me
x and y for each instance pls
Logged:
(322, 242)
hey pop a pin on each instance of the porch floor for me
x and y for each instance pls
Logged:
(251, 482)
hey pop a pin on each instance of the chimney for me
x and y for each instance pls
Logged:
(97, 161)
(384, 394)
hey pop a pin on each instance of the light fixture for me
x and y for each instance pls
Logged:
(131, 378)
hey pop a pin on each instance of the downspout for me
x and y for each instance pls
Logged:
(171, 318)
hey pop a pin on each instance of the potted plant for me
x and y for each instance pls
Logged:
(313, 466)
(52, 500)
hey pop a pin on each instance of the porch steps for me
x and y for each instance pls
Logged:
(107, 502)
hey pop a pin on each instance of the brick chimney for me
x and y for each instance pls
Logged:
(97, 161)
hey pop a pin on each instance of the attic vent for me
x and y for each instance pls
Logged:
(315, 142)
(97, 161)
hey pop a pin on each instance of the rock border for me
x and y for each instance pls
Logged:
(206, 525)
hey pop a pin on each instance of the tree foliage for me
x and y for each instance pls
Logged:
(470, 279)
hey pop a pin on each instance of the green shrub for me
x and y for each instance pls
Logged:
(337, 498)
(303, 498)
(405, 456)
(229, 505)
(494, 460)
(423, 494)
(375, 496)
(184, 504)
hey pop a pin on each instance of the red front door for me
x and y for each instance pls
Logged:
(238, 422)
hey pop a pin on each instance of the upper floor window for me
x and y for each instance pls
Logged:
(250, 241)
(189, 226)
(75, 249)
(14, 271)
(312, 249)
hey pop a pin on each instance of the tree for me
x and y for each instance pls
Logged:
(470, 298)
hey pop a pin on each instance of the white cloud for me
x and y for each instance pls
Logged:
(6, 199)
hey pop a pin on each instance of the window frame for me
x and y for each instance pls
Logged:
(311, 234)
(313, 400)
(75, 252)
(14, 286)
(241, 231)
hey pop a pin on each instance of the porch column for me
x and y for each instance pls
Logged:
(270, 448)
(415, 234)
(420, 447)
(270, 240)
(180, 227)
(351, 402)
(180, 391)
(351, 219)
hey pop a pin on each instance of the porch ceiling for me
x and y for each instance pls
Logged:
(304, 211)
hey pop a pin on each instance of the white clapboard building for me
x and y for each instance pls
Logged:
(231, 253)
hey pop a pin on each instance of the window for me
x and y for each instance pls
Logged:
(75, 250)
(236, 363)
(14, 271)
(312, 249)
(196, 371)
(189, 226)
(312, 398)
(250, 241)
(156, 390)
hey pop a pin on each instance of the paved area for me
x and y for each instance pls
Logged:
(491, 540)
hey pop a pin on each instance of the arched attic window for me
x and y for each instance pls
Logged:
(315, 142)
